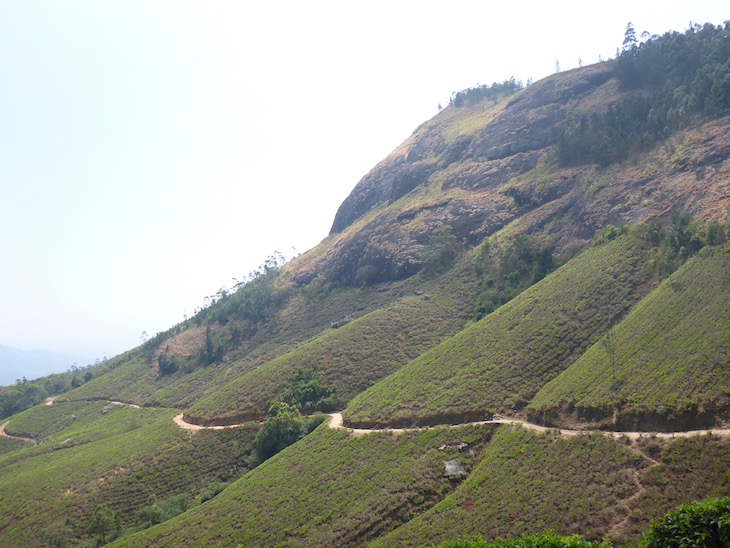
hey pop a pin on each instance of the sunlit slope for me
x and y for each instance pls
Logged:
(353, 357)
(671, 358)
(500, 363)
(592, 485)
(329, 489)
(120, 457)
(304, 315)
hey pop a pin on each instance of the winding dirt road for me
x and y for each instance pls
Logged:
(336, 422)
(6, 435)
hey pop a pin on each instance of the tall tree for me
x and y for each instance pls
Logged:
(629, 42)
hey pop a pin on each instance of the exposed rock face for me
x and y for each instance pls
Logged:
(479, 167)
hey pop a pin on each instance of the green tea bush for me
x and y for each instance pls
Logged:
(705, 523)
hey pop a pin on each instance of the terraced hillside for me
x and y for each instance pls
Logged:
(592, 485)
(668, 368)
(92, 453)
(328, 489)
(499, 363)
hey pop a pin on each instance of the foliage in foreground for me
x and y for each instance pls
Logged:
(704, 523)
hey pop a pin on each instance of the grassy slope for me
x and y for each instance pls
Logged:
(502, 361)
(329, 489)
(301, 318)
(688, 469)
(527, 483)
(8, 445)
(591, 485)
(672, 351)
(357, 355)
(119, 458)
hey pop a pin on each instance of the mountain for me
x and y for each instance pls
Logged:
(520, 315)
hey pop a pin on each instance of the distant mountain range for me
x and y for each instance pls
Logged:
(16, 364)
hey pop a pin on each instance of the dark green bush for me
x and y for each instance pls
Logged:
(704, 523)
(282, 426)
(306, 393)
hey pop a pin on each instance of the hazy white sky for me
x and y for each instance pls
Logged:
(150, 151)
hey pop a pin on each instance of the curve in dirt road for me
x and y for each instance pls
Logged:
(180, 421)
(6, 435)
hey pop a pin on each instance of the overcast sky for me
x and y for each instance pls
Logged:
(152, 151)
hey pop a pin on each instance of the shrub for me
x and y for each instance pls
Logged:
(283, 426)
(704, 523)
(306, 393)
(157, 511)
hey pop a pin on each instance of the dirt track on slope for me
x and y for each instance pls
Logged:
(6, 435)
(337, 422)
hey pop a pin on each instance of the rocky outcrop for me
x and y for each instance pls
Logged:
(480, 167)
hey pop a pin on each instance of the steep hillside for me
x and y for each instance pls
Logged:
(557, 252)
(602, 488)
(351, 358)
(667, 365)
(330, 489)
(499, 363)
(96, 453)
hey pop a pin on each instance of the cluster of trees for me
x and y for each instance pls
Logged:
(250, 301)
(475, 94)
(255, 299)
(687, 77)
(25, 394)
(307, 394)
(506, 268)
(284, 423)
(283, 426)
(703, 523)
(685, 237)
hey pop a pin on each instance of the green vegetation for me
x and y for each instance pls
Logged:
(478, 93)
(156, 511)
(306, 393)
(119, 459)
(670, 353)
(104, 522)
(545, 540)
(499, 363)
(353, 357)
(328, 489)
(407, 314)
(687, 76)
(506, 268)
(25, 394)
(282, 426)
(705, 523)
(689, 469)
(527, 482)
